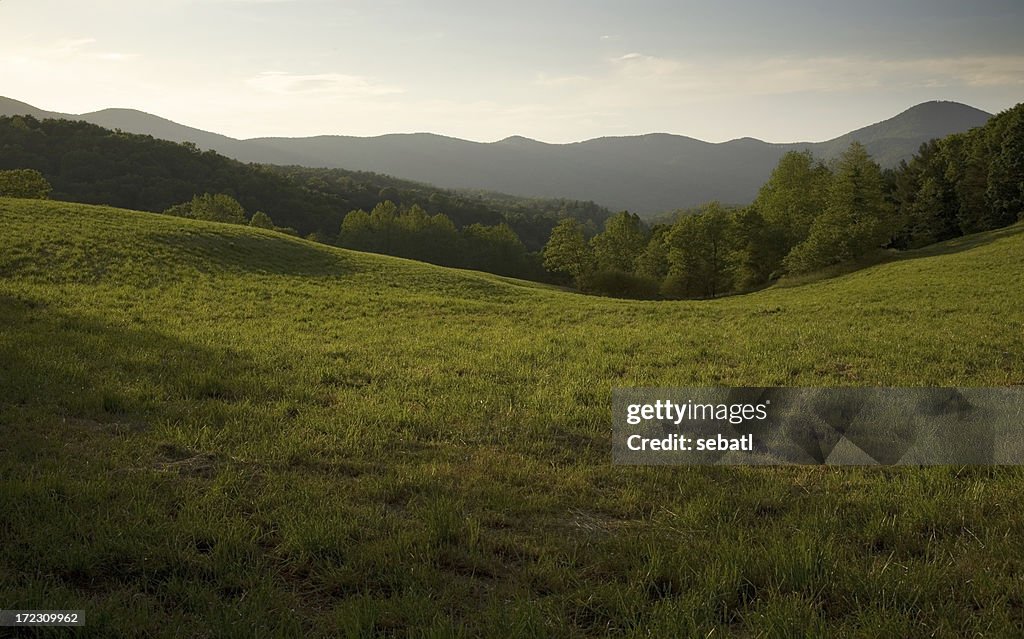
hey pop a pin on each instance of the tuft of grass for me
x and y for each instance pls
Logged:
(216, 431)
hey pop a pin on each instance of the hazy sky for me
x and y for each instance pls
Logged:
(550, 70)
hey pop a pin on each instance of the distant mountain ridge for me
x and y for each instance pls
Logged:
(645, 173)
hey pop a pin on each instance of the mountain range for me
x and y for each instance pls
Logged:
(644, 173)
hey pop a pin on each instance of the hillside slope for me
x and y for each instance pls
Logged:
(88, 163)
(888, 141)
(644, 173)
(216, 430)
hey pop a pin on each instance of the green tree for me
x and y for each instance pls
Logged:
(261, 220)
(318, 236)
(441, 239)
(758, 249)
(384, 221)
(1004, 192)
(566, 251)
(698, 256)
(653, 261)
(794, 195)
(925, 215)
(180, 210)
(218, 207)
(925, 200)
(967, 170)
(356, 231)
(496, 249)
(25, 183)
(621, 242)
(857, 217)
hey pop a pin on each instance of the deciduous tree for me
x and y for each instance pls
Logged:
(261, 220)
(26, 183)
(857, 218)
(217, 207)
(621, 242)
(567, 251)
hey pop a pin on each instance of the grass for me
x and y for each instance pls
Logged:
(216, 431)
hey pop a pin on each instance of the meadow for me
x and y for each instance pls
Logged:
(210, 430)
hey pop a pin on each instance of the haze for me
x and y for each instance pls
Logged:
(553, 71)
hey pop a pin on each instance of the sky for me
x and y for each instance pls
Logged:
(556, 71)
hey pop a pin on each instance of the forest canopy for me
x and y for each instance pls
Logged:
(808, 215)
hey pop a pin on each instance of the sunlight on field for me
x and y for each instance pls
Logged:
(212, 429)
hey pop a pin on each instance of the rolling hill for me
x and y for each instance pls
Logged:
(212, 430)
(645, 174)
(88, 163)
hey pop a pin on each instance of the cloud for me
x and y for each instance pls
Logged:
(67, 46)
(689, 80)
(974, 71)
(635, 91)
(546, 80)
(68, 50)
(116, 57)
(323, 84)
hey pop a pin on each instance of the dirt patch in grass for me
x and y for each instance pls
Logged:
(188, 463)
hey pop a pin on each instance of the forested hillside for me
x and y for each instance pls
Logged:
(87, 163)
(645, 174)
(808, 216)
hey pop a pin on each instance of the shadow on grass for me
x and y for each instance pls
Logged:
(271, 253)
(80, 367)
(965, 243)
(85, 519)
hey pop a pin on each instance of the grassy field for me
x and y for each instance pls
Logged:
(215, 431)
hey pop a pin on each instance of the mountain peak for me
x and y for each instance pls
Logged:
(947, 105)
(117, 111)
(643, 173)
(921, 122)
(10, 106)
(934, 115)
(519, 140)
(941, 112)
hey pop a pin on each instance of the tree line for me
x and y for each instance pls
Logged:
(388, 229)
(530, 218)
(413, 233)
(87, 163)
(963, 183)
(808, 216)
